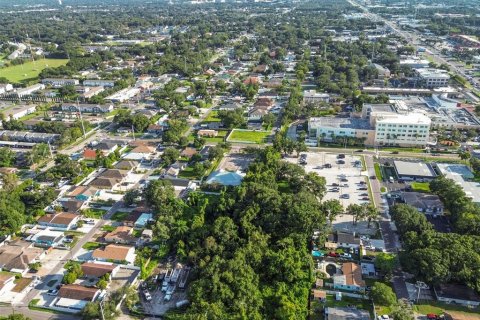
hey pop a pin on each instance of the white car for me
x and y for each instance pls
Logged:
(148, 297)
(167, 297)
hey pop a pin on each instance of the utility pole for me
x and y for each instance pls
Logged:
(133, 132)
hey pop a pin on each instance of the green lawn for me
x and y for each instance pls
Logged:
(119, 216)
(93, 213)
(30, 70)
(91, 245)
(378, 171)
(248, 136)
(212, 117)
(108, 228)
(426, 307)
(421, 186)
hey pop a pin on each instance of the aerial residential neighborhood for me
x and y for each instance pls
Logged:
(310, 159)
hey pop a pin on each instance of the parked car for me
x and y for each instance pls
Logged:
(333, 254)
(341, 156)
(364, 194)
(335, 184)
(373, 177)
(363, 188)
(52, 292)
(147, 295)
(346, 255)
(327, 165)
(344, 179)
(365, 198)
(345, 196)
(341, 162)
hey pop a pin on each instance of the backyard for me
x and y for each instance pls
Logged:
(212, 117)
(30, 70)
(248, 136)
(426, 307)
(421, 186)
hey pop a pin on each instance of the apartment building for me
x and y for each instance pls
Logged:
(59, 82)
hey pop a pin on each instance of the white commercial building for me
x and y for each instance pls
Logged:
(403, 129)
(18, 112)
(433, 78)
(311, 96)
(380, 125)
(414, 62)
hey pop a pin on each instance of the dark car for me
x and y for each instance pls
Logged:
(373, 177)
(335, 184)
(344, 179)
(363, 188)
(365, 198)
(341, 162)
(364, 194)
(327, 165)
(341, 156)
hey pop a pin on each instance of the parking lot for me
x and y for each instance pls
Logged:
(346, 181)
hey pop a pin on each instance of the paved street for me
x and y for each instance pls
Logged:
(392, 243)
(36, 315)
(56, 270)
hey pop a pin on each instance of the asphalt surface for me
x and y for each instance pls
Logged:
(392, 243)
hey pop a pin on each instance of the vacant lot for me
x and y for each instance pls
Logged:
(30, 70)
(248, 136)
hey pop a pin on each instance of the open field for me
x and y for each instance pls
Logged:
(30, 69)
(248, 136)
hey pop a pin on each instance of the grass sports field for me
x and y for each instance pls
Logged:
(30, 69)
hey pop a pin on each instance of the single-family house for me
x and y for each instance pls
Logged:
(106, 147)
(188, 152)
(256, 114)
(426, 203)
(229, 106)
(350, 279)
(207, 133)
(115, 253)
(127, 165)
(46, 238)
(74, 296)
(342, 240)
(6, 282)
(17, 255)
(143, 220)
(98, 270)
(109, 179)
(71, 204)
(89, 154)
(181, 186)
(140, 153)
(319, 295)
(251, 81)
(83, 193)
(264, 102)
(64, 220)
(122, 235)
(457, 294)
(155, 129)
(346, 313)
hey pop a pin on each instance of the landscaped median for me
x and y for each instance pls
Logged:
(248, 136)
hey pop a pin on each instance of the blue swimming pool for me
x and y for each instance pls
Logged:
(316, 253)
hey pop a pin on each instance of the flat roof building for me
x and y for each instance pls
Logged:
(414, 170)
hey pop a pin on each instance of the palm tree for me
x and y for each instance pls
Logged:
(464, 155)
(356, 211)
(370, 212)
